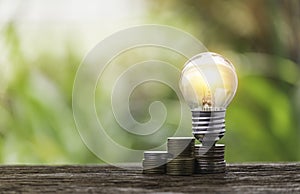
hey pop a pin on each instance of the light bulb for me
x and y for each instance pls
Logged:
(208, 84)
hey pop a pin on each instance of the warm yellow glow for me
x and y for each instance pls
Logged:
(211, 85)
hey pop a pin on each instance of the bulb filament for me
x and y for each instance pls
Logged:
(207, 102)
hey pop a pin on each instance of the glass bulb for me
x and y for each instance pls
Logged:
(208, 82)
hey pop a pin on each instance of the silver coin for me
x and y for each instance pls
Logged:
(210, 162)
(156, 154)
(208, 151)
(155, 160)
(200, 159)
(153, 163)
(211, 166)
(179, 150)
(181, 160)
(180, 169)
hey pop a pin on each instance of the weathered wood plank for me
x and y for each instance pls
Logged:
(246, 178)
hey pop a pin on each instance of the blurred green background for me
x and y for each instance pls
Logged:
(42, 43)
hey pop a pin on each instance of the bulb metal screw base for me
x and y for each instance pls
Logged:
(208, 126)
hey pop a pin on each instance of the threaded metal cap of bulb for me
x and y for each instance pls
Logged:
(208, 126)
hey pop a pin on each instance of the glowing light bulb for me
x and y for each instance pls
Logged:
(208, 83)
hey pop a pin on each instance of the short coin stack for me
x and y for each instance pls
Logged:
(185, 158)
(182, 150)
(154, 162)
(210, 159)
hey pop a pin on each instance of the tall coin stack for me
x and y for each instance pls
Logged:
(182, 161)
(154, 162)
(210, 159)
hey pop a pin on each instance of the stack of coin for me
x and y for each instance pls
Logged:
(181, 146)
(182, 150)
(154, 162)
(181, 166)
(210, 159)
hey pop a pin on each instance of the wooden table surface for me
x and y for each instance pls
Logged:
(241, 178)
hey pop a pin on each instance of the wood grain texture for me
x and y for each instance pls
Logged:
(241, 178)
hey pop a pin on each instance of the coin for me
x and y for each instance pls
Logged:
(181, 146)
(209, 159)
(154, 162)
(210, 162)
(185, 158)
(156, 155)
(180, 166)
